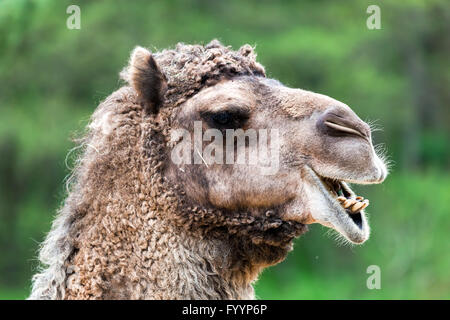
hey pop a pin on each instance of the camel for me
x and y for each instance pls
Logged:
(138, 225)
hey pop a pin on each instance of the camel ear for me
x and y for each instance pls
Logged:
(147, 79)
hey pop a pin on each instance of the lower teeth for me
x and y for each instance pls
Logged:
(353, 206)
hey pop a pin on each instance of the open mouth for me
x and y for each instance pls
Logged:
(340, 208)
(353, 205)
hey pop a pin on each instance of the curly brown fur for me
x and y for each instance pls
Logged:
(125, 232)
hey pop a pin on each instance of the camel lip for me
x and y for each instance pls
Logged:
(353, 226)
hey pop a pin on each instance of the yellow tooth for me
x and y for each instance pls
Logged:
(357, 207)
(341, 199)
(359, 198)
(365, 204)
(348, 203)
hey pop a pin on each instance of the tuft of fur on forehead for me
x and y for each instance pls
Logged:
(189, 68)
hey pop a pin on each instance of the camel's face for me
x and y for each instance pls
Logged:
(316, 146)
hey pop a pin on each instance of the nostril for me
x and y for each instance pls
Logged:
(343, 128)
(335, 124)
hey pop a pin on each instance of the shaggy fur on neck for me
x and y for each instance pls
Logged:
(125, 232)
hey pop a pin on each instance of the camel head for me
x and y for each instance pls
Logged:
(241, 142)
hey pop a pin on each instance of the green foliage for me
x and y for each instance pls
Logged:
(53, 78)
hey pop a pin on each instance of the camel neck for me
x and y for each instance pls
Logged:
(158, 261)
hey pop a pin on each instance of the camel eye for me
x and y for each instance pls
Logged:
(226, 119)
(222, 118)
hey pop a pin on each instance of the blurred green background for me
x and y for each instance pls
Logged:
(52, 79)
